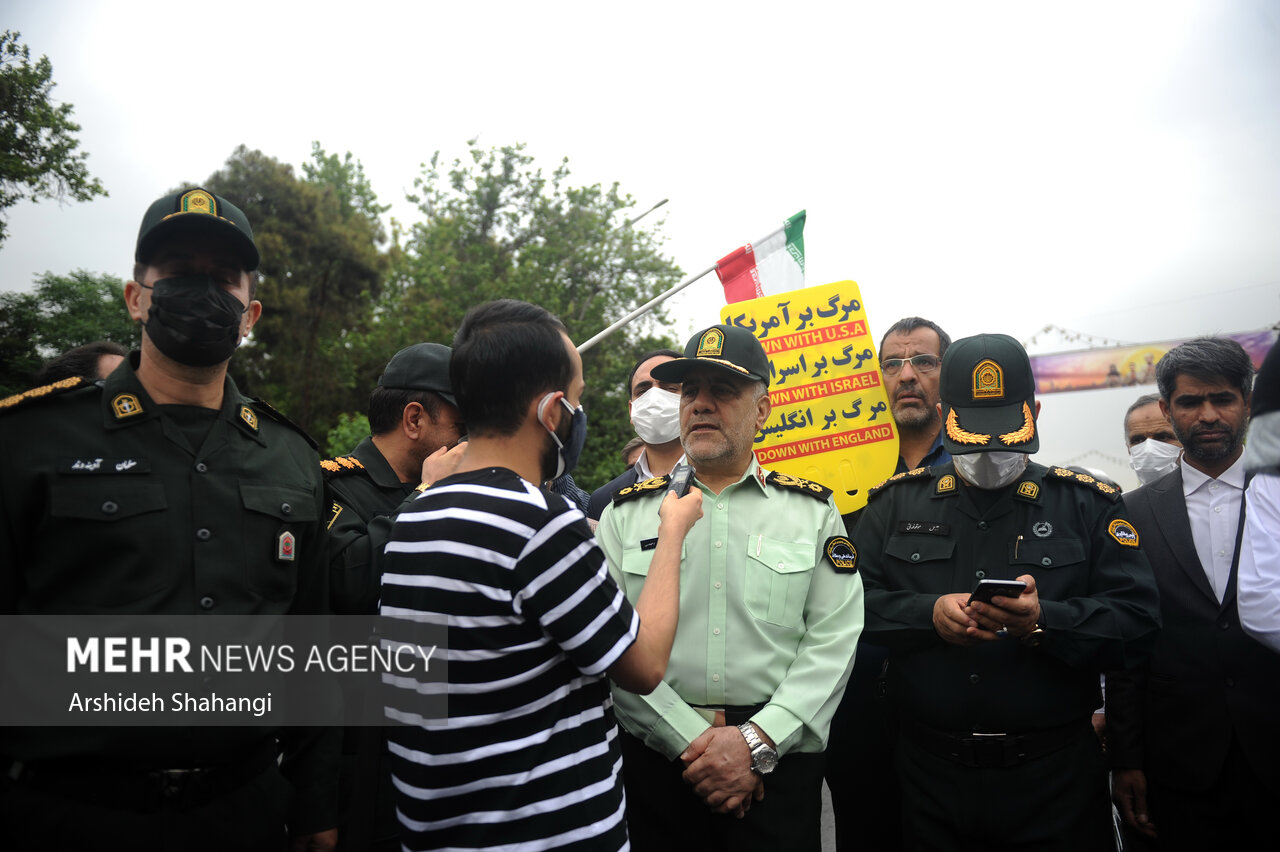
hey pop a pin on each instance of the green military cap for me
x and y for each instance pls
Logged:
(196, 210)
(422, 366)
(988, 396)
(732, 349)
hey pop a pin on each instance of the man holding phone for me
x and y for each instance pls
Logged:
(995, 688)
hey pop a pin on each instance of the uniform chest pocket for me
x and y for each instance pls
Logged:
(280, 528)
(1046, 553)
(106, 501)
(777, 579)
(635, 567)
(919, 549)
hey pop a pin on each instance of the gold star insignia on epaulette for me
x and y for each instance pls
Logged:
(349, 462)
(329, 464)
(1064, 473)
(250, 419)
(805, 486)
(42, 391)
(645, 487)
(1085, 478)
(1105, 488)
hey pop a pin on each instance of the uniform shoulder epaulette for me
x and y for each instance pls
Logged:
(13, 403)
(1086, 481)
(795, 483)
(340, 466)
(896, 478)
(648, 486)
(266, 409)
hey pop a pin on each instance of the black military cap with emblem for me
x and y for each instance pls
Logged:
(422, 366)
(727, 347)
(196, 210)
(988, 396)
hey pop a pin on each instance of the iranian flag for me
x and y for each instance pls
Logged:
(772, 265)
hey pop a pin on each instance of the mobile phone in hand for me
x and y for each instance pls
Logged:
(988, 589)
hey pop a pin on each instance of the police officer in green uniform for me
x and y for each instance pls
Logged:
(164, 490)
(414, 420)
(770, 612)
(413, 417)
(996, 749)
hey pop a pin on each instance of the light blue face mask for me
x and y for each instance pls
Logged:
(569, 450)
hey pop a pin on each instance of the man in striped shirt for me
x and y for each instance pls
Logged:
(528, 758)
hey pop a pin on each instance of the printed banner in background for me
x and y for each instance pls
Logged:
(831, 421)
(1124, 366)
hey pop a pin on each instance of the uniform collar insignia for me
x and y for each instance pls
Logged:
(250, 419)
(125, 405)
(946, 484)
(1028, 489)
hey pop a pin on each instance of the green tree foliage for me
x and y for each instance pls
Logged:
(495, 226)
(350, 430)
(322, 269)
(38, 149)
(62, 312)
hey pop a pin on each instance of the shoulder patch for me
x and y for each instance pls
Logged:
(842, 554)
(1123, 532)
(648, 486)
(897, 477)
(795, 483)
(12, 403)
(340, 466)
(266, 409)
(1086, 481)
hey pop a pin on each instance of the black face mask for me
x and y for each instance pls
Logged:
(193, 320)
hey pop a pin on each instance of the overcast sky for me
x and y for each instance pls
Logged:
(1107, 167)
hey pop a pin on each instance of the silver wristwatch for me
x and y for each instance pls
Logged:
(763, 758)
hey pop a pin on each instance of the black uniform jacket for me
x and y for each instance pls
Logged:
(923, 534)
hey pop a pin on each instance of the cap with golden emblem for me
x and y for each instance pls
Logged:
(731, 349)
(200, 211)
(988, 396)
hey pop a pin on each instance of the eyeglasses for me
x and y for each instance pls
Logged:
(919, 363)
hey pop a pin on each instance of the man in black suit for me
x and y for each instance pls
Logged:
(1193, 734)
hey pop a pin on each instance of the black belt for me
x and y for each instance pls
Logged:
(994, 750)
(736, 714)
(142, 790)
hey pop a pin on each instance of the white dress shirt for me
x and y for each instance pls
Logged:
(1213, 508)
(1258, 578)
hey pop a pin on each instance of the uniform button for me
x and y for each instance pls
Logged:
(206, 602)
(716, 631)
(1217, 508)
(717, 584)
(982, 525)
(201, 467)
(719, 505)
(780, 566)
(1224, 625)
(716, 678)
(973, 678)
(109, 508)
(915, 557)
(203, 534)
(1046, 561)
(286, 508)
(979, 574)
(718, 543)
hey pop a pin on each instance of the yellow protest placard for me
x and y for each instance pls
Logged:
(831, 421)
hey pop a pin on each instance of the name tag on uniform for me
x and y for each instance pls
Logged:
(649, 544)
(924, 528)
(97, 464)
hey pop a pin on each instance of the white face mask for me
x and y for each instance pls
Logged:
(1153, 459)
(991, 470)
(656, 416)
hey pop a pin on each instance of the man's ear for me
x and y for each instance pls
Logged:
(764, 407)
(250, 317)
(551, 409)
(1164, 409)
(133, 300)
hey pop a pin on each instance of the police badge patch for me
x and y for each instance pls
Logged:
(842, 553)
(1123, 532)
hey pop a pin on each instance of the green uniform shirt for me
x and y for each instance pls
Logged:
(765, 618)
(106, 507)
(363, 487)
(927, 534)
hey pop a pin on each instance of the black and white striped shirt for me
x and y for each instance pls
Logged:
(528, 758)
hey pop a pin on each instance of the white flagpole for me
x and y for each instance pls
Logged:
(645, 308)
(659, 299)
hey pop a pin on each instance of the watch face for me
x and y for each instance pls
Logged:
(764, 760)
